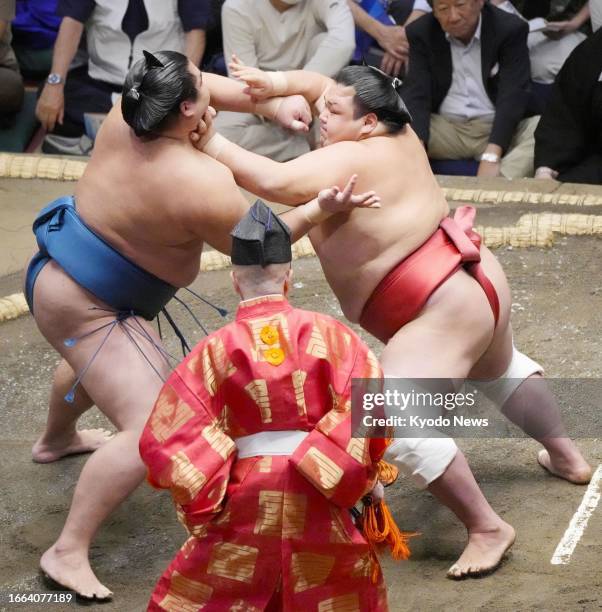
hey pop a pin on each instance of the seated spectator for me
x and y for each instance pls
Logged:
(595, 8)
(380, 38)
(116, 34)
(468, 86)
(282, 35)
(35, 28)
(568, 139)
(11, 83)
(549, 48)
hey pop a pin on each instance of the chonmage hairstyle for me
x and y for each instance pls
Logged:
(378, 93)
(153, 90)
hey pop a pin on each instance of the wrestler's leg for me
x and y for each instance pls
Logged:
(60, 437)
(449, 336)
(124, 387)
(532, 406)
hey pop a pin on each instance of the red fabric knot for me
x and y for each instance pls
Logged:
(459, 231)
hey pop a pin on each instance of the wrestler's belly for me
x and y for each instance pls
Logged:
(177, 264)
(354, 273)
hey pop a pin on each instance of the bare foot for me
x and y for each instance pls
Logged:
(83, 441)
(71, 571)
(578, 471)
(483, 553)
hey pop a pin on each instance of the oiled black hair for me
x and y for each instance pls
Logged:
(153, 90)
(376, 92)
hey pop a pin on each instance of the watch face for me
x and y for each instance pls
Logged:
(54, 79)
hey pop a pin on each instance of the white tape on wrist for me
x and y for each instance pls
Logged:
(279, 83)
(215, 145)
(314, 213)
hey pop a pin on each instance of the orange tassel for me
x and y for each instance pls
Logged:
(379, 527)
(387, 473)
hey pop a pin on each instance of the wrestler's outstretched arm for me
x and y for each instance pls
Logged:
(329, 202)
(263, 85)
(292, 112)
(221, 205)
(294, 182)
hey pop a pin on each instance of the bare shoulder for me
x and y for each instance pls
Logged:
(199, 178)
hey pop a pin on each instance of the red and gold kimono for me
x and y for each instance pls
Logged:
(267, 532)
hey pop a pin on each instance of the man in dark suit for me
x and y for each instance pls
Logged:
(468, 85)
(568, 140)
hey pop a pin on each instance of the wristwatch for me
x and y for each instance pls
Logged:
(490, 157)
(54, 78)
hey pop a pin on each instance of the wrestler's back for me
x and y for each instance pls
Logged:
(138, 197)
(359, 248)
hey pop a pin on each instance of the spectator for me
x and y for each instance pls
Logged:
(11, 83)
(595, 8)
(282, 35)
(35, 28)
(468, 86)
(549, 48)
(568, 139)
(116, 33)
(382, 23)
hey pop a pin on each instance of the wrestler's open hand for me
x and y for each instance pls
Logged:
(205, 129)
(334, 200)
(259, 83)
(294, 114)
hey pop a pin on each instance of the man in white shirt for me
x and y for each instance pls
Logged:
(595, 9)
(282, 35)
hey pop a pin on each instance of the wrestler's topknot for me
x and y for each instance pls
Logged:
(378, 93)
(153, 90)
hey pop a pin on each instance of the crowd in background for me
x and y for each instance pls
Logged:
(494, 87)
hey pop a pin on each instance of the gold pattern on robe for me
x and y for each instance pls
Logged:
(337, 342)
(169, 415)
(373, 367)
(199, 531)
(218, 493)
(269, 516)
(338, 532)
(240, 605)
(343, 603)
(293, 515)
(336, 400)
(281, 514)
(279, 322)
(331, 420)
(362, 568)
(359, 448)
(258, 391)
(213, 364)
(228, 424)
(187, 479)
(188, 547)
(264, 465)
(222, 444)
(310, 570)
(316, 345)
(185, 594)
(223, 517)
(299, 377)
(233, 561)
(321, 471)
